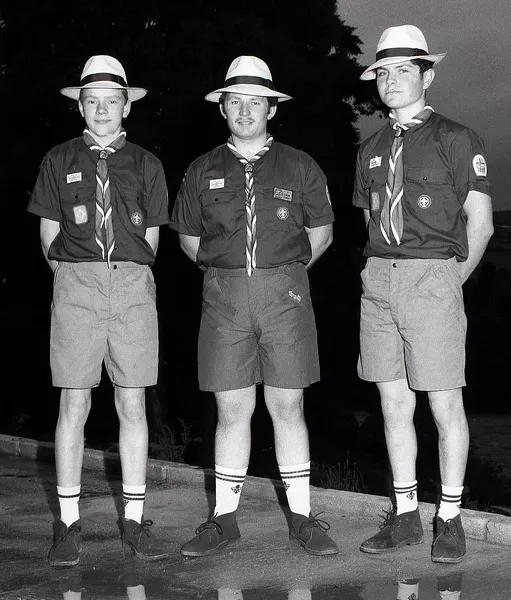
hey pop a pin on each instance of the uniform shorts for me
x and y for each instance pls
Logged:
(101, 314)
(412, 323)
(258, 328)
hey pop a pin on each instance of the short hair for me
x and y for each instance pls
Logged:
(124, 94)
(272, 100)
(424, 65)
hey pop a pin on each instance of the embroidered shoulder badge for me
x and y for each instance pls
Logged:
(328, 195)
(479, 165)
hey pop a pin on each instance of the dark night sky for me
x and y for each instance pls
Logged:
(473, 82)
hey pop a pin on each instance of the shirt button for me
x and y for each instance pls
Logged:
(394, 265)
(114, 267)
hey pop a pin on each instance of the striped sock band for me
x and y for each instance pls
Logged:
(450, 502)
(68, 502)
(406, 496)
(228, 485)
(133, 497)
(296, 480)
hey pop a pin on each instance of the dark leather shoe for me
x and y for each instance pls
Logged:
(310, 533)
(213, 535)
(142, 542)
(449, 544)
(397, 531)
(67, 543)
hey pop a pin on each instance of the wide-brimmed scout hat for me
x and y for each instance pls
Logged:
(104, 72)
(397, 44)
(248, 75)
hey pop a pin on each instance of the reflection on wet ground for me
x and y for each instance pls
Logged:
(134, 586)
(264, 567)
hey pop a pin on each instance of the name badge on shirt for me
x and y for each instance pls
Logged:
(282, 194)
(215, 184)
(375, 162)
(72, 177)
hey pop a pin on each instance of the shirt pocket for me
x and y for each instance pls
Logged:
(132, 210)
(78, 203)
(279, 213)
(218, 211)
(427, 190)
(375, 189)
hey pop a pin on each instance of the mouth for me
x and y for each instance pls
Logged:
(244, 122)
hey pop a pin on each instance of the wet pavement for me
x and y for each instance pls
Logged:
(263, 566)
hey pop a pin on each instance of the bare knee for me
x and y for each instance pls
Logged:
(74, 406)
(448, 410)
(235, 408)
(130, 405)
(285, 406)
(397, 402)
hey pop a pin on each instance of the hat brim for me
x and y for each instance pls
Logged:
(248, 90)
(133, 92)
(369, 73)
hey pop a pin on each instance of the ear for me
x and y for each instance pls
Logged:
(222, 111)
(271, 112)
(126, 109)
(427, 78)
(80, 108)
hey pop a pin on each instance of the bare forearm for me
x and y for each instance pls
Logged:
(48, 232)
(477, 243)
(320, 239)
(190, 246)
(479, 213)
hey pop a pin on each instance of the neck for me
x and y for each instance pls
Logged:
(248, 148)
(104, 141)
(404, 115)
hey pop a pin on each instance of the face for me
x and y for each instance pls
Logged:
(103, 111)
(401, 86)
(247, 115)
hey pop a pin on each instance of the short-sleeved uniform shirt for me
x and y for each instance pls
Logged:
(443, 161)
(65, 192)
(291, 193)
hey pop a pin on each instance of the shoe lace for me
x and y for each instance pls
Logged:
(388, 517)
(144, 527)
(313, 521)
(209, 524)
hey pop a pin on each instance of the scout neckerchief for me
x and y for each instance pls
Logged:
(104, 228)
(251, 244)
(391, 217)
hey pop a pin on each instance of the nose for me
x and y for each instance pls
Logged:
(244, 109)
(101, 108)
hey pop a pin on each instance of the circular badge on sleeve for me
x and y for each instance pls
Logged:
(479, 164)
(136, 218)
(282, 213)
(424, 201)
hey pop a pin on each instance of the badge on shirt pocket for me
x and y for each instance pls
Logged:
(81, 215)
(375, 200)
(282, 194)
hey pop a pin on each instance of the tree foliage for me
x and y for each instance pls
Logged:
(180, 50)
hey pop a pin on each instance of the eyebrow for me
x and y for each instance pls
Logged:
(106, 97)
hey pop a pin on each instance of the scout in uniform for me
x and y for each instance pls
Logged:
(422, 183)
(255, 214)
